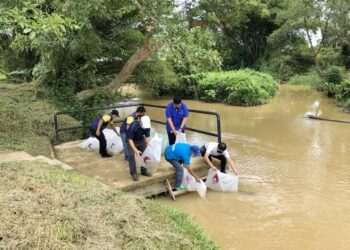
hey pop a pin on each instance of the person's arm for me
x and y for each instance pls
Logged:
(232, 165)
(170, 122)
(98, 130)
(206, 158)
(185, 118)
(192, 173)
(114, 128)
(133, 147)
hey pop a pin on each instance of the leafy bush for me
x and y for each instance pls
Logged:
(334, 75)
(310, 78)
(242, 87)
(157, 78)
(342, 93)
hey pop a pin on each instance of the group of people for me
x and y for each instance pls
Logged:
(135, 135)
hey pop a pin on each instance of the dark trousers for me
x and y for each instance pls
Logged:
(102, 140)
(222, 159)
(172, 138)
(140, 145)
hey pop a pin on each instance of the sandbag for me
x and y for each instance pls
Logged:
(218, 181)
(150, 158)
(181, 138)
(114, 142)
(189, 181)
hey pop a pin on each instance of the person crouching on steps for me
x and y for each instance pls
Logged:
(138, 137)
(99, 124)
(218, 151)
(181, 153)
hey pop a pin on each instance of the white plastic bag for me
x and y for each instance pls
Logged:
(151, 156)
(114, 142)
(90, 143)
(201, 189)
(189, 181)
(181, 138)
(218, 181)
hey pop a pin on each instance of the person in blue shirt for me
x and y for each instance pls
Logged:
(138, 137)
(181, 153)
(177, 115)
(140, 111)
(99, 124)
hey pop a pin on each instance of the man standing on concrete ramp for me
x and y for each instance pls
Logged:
(138, 137)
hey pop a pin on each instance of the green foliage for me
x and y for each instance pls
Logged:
(157, 78)
(333, 75)
(243, 87)
(342, 94)
(310, 78)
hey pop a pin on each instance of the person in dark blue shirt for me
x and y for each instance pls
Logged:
(138, 137)
(178, 154)
(140, 111)
(99, 124)
(177, 115)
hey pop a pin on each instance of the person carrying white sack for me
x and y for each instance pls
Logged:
(181, 153)
(218, 151)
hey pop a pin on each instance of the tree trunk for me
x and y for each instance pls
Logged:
(125, 73)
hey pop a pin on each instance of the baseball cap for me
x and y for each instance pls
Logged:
(195, 149)
(115, 112)
(146, 122)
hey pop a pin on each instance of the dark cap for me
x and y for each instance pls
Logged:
(115, 112)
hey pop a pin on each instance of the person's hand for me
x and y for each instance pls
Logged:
(138, 152)
(198, 180)
(214, 168)
(98, 133)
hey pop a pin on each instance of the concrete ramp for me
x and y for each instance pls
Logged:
(114, 171)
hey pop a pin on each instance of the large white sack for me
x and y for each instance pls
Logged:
(218, 181)
(181, 138)
(165, 141)
(90, 143)
(114, 142)
(189, 181)
(201, 189)
(150, 158)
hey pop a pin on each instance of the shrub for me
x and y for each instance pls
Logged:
(157, 78)
(334, 75)
(310, 78)
(242, 87)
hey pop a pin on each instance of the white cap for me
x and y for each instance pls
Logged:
(146, 122)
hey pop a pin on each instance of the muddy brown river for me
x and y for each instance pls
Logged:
(294, 190)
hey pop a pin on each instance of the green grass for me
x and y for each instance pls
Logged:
(311, 79)
(44, 207)
(26, 119)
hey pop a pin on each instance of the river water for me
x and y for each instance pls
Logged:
(294, 190)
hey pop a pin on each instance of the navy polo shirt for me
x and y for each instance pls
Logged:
(130, 119)
(136, 133)
(176, 115)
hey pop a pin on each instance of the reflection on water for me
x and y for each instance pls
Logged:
(294, 188)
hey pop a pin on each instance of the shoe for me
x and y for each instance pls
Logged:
(106, 156)
(181, 188)
(135, 177)
(148, 174)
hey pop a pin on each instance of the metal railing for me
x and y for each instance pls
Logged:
(58, 130)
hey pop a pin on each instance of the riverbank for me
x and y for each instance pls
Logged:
(42, 206)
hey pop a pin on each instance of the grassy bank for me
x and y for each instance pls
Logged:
(44, 207)
(47, 208)
(26, 119)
